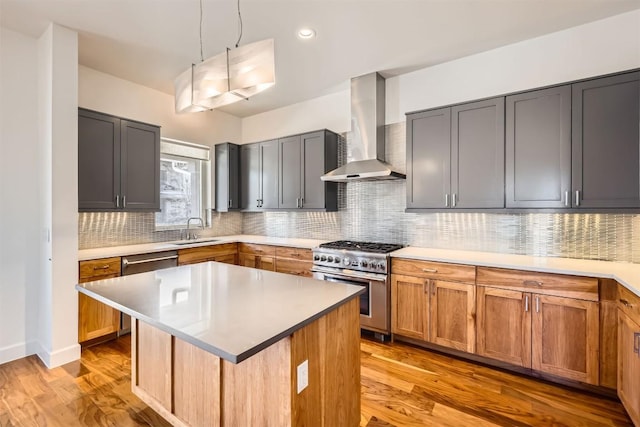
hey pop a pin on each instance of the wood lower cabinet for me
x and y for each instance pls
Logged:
(629, 352)
(97, 320)
(504, 325)
(262, 257)
(226, 252)
(294, 261)
(542, 329)
(438, 311)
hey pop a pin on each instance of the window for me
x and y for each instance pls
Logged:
(184, 170)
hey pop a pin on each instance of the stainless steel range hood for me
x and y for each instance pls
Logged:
(365, 151)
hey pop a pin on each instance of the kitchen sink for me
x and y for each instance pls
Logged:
(193, 241)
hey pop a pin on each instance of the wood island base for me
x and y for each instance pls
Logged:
(192, 387)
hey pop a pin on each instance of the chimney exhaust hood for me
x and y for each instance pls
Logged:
(365, 153)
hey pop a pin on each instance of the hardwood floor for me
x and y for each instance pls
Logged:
(401, 386)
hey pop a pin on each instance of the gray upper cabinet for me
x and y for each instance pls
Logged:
(538, 149)
(290, 172)
(319, 156)
(606, 142)
(477, 154)
(259, 176)
(250, 177)
(429, 159)
(227, 177)
(455, 157)
(118, 164)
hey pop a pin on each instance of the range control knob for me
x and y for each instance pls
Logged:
(330, 259)
(381, 265)
(337, 260)
(347, 261)
(316, 257)
(323, 258)
(364, 263)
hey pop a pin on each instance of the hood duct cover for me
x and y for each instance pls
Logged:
(365, 152)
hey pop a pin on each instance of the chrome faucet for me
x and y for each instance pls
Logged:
(194, 235)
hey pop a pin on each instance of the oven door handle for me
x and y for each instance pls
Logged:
(350, 274)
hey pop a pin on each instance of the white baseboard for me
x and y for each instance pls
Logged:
(59, 357)
(18, 351)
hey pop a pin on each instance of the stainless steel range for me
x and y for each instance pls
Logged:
(364, 264)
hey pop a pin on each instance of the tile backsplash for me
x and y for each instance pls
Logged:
(374, 211)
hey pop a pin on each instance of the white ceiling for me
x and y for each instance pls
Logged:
(151, 41)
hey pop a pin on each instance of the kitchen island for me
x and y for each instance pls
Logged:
(218, 344)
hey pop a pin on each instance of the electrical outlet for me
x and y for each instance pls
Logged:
(303, 375)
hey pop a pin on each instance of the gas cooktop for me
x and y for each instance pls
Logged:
(380, 248)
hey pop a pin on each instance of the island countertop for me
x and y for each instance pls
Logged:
(231, 311)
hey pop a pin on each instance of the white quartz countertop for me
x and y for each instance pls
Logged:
(112, 251)
(231, 311)
(626, 274)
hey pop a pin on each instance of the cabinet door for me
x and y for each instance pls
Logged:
(606, 142)
(314, 190)
(504, 325)
(227, 177)
(477, 154)
(453, 312)
(629, 365)
(410, 306)
(140, 159)
(250, 177)
(290, 172)
(98, 161)
(269, 174)
(538, 149)
(565, 337)
(248, 260)
(266, 263)
(429, 159)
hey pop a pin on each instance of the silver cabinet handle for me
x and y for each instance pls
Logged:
(566, 198)
(301, 202)
(526, 303)
(126, 262)
(117, 200)
(625, 302)
(636, 344)
(102, 267)
(297, 202)
(124, 201)
(230, 203)
(430, 270)
(446, 200)
(577, 197)
(454, 200)
(537, 304)
(532, 283)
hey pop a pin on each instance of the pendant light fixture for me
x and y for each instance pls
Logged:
(228, 77)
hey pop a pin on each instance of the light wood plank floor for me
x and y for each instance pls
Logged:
(401, 386)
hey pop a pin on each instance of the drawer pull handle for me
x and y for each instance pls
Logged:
(104, 267)
(625, 302)
(526, 303)
(430, 270)
(532, 283)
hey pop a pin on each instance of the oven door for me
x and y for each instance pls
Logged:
(374, 302)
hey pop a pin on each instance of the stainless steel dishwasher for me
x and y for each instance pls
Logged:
(133, 264)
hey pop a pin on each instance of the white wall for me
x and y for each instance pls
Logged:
(20, 202)
(327, 112)
(108, 94)
(600, 47)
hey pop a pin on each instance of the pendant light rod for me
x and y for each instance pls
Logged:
(201, 55)
(239, 24)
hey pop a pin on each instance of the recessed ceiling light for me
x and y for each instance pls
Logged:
(306, 33)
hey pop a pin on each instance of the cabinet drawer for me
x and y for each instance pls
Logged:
(293, 253)
(250, 248)
(291, 266)
(96, 269)
(629, 303)
(434, 270)
(205, 253)
(585, 288)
